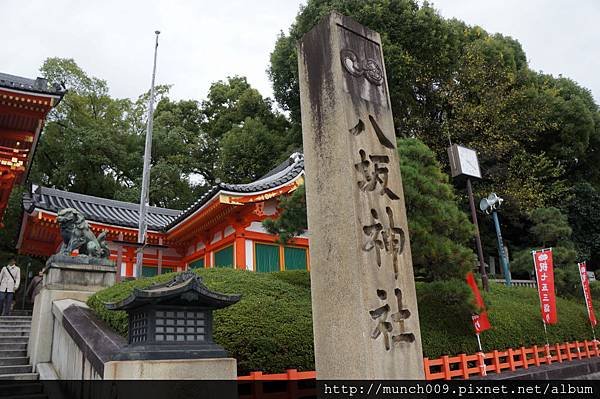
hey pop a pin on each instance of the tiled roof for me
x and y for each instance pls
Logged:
(97, 209)
(126, 214)
(284, 173)
(39, 85)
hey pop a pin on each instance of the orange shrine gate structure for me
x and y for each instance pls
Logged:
(24, 106)
(221, 229)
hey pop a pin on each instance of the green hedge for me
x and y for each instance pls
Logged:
(270, 329)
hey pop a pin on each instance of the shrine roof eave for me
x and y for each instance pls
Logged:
(38, 86)
(283, 175)
(176, 293)
(95, 209)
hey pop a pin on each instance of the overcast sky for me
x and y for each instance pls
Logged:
(203, 41)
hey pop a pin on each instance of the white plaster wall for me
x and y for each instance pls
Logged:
(249, 255)
(217, 237)
(200, 246)
(123, 269)
(228, 231)
(257, 227)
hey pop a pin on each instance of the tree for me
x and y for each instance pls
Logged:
(440, 232)
(249, 151)
(245, 136)
(420, 49)
(292, 220)
(584, 218)
(550, 229)
(536, 135)
(93, 130)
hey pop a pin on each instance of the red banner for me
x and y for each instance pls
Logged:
(544, 273)
(587, 294)
(480, 321)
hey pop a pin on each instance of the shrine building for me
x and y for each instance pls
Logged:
(221, 229)
(24, 106)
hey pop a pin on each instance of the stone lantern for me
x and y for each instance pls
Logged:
(172, 320)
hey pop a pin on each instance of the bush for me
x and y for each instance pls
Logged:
(270, 329)
(514, 314)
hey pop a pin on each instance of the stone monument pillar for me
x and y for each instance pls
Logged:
(365, 318)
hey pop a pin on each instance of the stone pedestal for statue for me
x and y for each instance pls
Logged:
(365, 318)
(65, 277)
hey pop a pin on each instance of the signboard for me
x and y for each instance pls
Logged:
(544, 273)
(585, 283)
(463, 162)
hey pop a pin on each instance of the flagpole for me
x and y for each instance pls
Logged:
(144, 197)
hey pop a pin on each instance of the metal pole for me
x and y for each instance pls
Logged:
(484, 277)
(503, 257)
(144, 198)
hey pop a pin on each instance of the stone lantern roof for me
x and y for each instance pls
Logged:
(186, 289)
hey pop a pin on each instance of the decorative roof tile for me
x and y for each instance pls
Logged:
(126, 214)
(39, 85)
(287, 171)
(97, 209)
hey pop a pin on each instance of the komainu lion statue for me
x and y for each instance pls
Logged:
(76, 234)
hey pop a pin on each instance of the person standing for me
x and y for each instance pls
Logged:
(10, 277)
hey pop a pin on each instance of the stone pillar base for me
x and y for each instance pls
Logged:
(177, 369)
(65, 277)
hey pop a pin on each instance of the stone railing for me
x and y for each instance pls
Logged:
(517, 283)
(82, 344)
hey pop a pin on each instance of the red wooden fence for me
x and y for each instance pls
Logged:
(464, 366)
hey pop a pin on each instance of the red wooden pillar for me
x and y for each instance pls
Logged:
(240, 251)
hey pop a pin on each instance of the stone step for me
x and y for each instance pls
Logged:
(7, 346)
(15, 325)
(21, 389)
(14, 331)
(15, 369)
(15, 320)
(14, 361)
(15, 334)
(26, 318)
(13, 353)
(19, 376)
(14, 338)
(19, 312)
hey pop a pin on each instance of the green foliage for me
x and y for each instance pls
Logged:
(247, 136)
(292, 220)
(440, 232)
(270, 329)
(550, 228)
(515, 318)
(248, 151)
(536, 135)
(584, 218)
